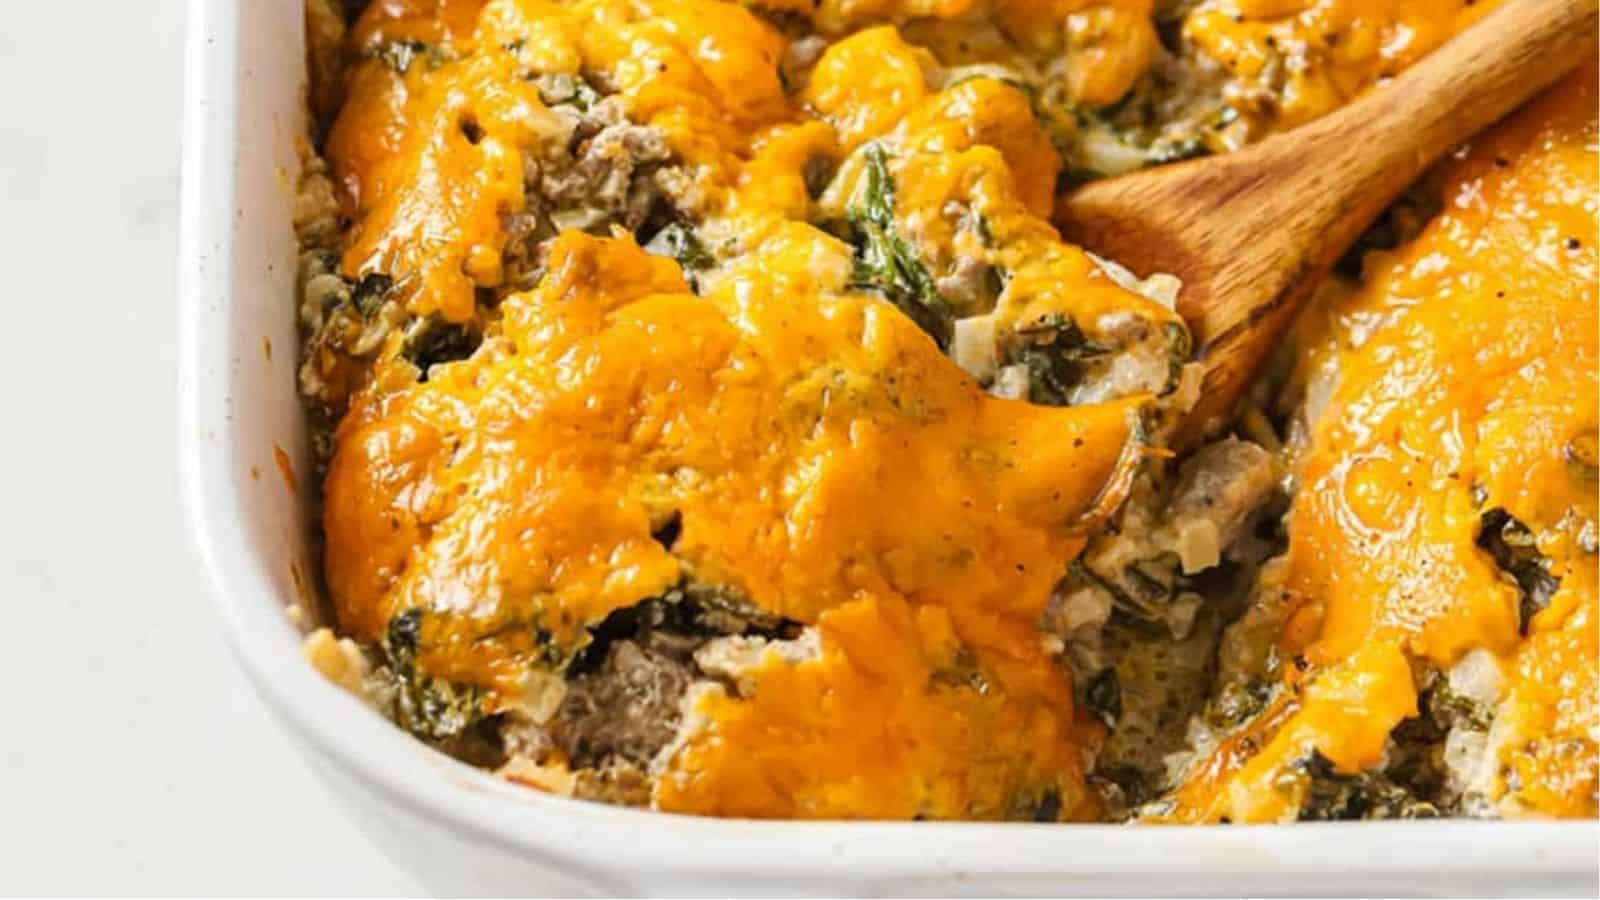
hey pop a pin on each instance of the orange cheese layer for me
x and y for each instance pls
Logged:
(1290, 61)
(1466, 365)
(431, 161)
(896, 719)
(974, 148)
(827, 463)
(1105, 45)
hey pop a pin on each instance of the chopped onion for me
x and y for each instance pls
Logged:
(972, 346)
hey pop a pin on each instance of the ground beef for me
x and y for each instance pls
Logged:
(1219, 489)
(610, 171)
(628, 708)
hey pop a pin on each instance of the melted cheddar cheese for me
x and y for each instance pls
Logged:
(432, 160)
(616, 305)
(819, 459)
(1289, 61)
(1465, 378)
(825, 462)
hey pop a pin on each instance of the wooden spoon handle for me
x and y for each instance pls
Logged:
(1251, 233)
(1388, 138)
(1336, 175)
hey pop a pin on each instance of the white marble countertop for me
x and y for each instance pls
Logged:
(135, 758)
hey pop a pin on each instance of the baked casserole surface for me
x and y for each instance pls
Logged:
(710, 418)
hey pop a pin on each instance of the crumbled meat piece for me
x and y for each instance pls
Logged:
(601, 186)
(1175, 528)
(628, 708)
(968, 284)
(607, 170)
(1219, 488)
(524, 258)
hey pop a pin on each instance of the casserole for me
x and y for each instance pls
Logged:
(244, 447)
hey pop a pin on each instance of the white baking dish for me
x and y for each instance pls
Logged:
(461, 831)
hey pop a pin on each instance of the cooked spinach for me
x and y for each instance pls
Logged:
(403, 639)
(679, 241)
(1397, 224)
(371, 292)
(1056, 354)
(1048, 809)
(1445, 708)
(1336, 796)
(1516, 552)
(399, 55)
(431, 341)
(888, 264)
(430, 707)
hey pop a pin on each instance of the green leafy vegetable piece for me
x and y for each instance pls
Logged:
(429, 707)
(1515, 551)
(1057, 354)
(887, 263)
(679, 241)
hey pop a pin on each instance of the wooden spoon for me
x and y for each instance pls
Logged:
(1251, 233)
